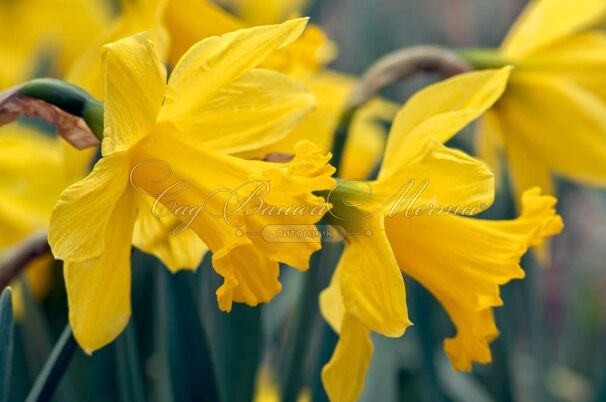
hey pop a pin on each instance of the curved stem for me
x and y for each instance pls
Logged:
(340, 138)
(17, 258)
(403, 64)
(484, 58)
(393, 67)
(68, 98)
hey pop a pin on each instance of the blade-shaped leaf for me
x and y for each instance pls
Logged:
(182, 343)
(37, 343)
(129, 376)
(6, 343)
(236, 340)
(56, 365)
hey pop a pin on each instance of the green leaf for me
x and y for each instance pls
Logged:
(299, 351)
(424, 308)
(36, 336)
(56, 365)
(37, 342)
(6, 343)
(129, 376)
(183, 350)
(236, 339)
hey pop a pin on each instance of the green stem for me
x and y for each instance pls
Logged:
(131, 386)
(484, 58)
(297, 349)
(68, 98)
(340, 140)
(55, 367)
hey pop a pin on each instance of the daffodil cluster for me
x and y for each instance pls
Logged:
(212, 122)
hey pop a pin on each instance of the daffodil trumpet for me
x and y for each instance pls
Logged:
(340, 138)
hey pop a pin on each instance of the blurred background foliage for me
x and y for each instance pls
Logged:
(179, 347)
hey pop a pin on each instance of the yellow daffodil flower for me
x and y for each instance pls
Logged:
(215, 103)
(552, 117)
(36, 30)
(303, 59)
(423, 232)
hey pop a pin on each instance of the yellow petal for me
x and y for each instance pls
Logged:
(476, 329)
(217, 61)
(544, 22)
(440, 111)
(580, 58)
(80, 219)
(160, 237)
(344, 375)
(257, 109)
(559, 124)
(371, 282)
(136, 16)
(98, 289)
(463, 261)
(438, 177)
(134, 84)
(249, 276)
